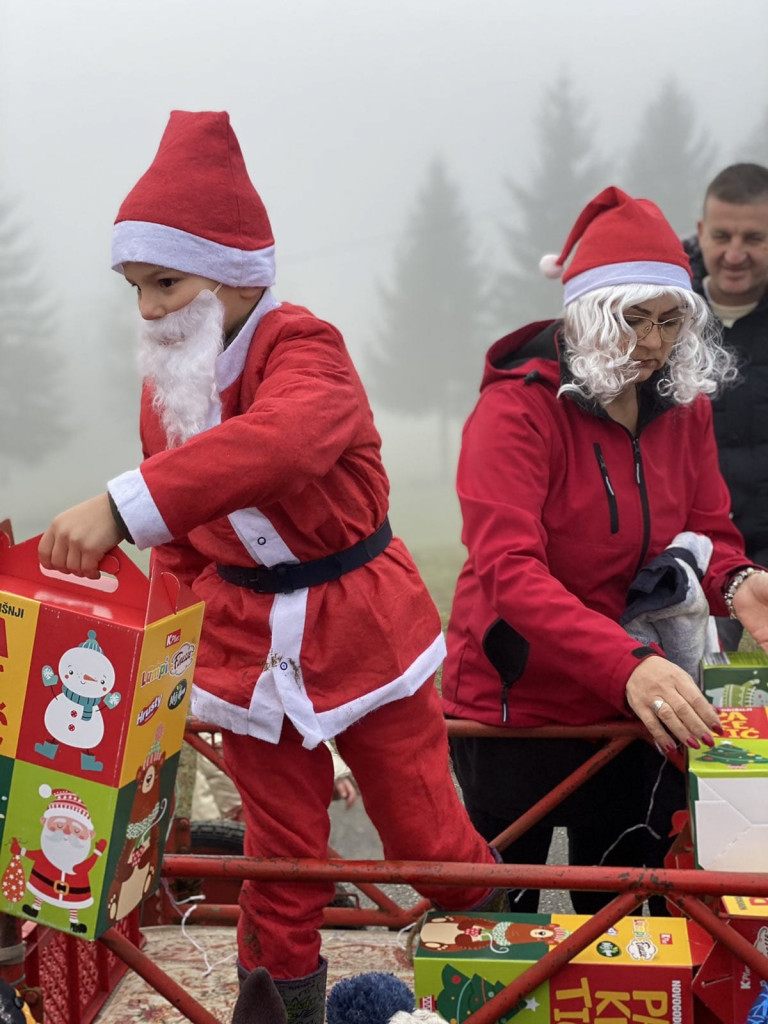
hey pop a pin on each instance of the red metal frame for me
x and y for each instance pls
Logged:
(685, 889)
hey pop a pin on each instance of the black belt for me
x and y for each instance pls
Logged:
(60, 887)
(287, 577)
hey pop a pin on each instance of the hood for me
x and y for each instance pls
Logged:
(698, 271)
(532, 349)
(532, 354)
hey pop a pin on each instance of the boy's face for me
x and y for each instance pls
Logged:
(161, 291)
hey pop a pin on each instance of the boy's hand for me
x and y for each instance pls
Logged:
(77, 540)
(346, 791)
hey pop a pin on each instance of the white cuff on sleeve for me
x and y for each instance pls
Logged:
(138, 510)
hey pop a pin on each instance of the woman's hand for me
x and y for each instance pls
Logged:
(77, 540)
(685, 715)
(750, 603)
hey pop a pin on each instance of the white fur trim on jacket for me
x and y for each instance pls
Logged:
(138, 510)
(276, 695)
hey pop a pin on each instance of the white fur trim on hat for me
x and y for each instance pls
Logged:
(666, 275)
(136, 241)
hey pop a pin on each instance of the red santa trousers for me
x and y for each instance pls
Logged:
(399, 758)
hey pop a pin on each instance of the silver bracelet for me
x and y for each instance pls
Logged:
(733, 586)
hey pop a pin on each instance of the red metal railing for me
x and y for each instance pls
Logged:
(685, 889)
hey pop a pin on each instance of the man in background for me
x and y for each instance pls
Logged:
(729, 261)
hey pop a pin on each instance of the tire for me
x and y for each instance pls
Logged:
(222, 838)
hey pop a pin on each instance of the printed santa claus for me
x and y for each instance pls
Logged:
(63, 862)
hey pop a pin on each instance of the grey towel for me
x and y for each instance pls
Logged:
(666, 604)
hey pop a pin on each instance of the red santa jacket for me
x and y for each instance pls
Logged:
(289, 471)
(561, 507)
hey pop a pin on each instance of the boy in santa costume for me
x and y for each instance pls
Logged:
(262, 487)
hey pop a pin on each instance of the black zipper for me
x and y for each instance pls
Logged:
(613, 507)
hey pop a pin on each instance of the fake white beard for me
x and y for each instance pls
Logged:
(178, 354)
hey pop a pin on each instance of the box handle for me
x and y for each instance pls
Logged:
(107, 582)
(119, 573)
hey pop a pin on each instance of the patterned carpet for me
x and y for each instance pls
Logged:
(348, 953)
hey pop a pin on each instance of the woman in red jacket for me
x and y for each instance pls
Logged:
(590, 449)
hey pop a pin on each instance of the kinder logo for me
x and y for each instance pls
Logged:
(182, 660)
(146, 713)
(173, 638)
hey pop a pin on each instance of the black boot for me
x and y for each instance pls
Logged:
(289, 1001)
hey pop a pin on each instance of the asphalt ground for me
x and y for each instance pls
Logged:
(354, 838)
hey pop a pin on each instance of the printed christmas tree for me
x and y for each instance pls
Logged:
(727, 753)
(462, 995)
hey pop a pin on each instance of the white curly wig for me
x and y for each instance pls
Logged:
(595, 334)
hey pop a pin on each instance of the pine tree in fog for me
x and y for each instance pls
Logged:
(565, 174)
(754, 149)
(671, 160)
(33, 419)
(427, 355)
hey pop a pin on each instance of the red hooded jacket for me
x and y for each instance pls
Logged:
(561, 507)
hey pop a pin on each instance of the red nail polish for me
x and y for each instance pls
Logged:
(706, 738)
(671, 748)
(692, 743)
(718, 729)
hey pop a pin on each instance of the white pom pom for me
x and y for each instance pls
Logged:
(45, 791)
(549, 266)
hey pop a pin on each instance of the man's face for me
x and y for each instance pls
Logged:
(161, 291)
(734, 243)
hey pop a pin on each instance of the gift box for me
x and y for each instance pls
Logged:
(639, 970)
(726, 985)
(95, 679)
(735, 679)
(728, 794)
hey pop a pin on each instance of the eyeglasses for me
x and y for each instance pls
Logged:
(643, 325)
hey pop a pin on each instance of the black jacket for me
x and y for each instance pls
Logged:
(741, 419)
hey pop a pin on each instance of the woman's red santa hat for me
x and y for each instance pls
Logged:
(195, 209)
(621, 241)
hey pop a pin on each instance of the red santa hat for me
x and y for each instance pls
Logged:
(195, 209)
(621, 241)
(65, 803)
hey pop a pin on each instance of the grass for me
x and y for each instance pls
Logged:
(440, 565)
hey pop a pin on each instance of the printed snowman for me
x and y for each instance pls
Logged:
(74, 716)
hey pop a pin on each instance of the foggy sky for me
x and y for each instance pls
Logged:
(339, 108)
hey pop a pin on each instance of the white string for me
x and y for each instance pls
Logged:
(194, 901)
(645, 824)
(402, 935)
